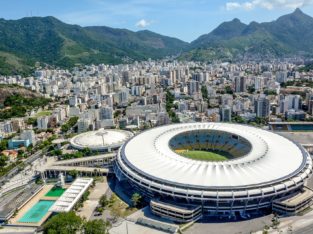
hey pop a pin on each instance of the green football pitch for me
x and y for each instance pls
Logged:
(204, 155)
(55, 192)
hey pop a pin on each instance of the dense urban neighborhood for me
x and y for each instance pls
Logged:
(117, 131)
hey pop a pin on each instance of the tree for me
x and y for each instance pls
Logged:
(251, 89)
(100, 209)
(87, 151)
(103, 201)
(30, 148)
(56, 152)
(70, 123)
(117, 113)
(3, 160)
(31, 121)
(204, 92)
(136, 199)
(229, 90)
(96, 227)
(73, 173)
(3, 144)
(64, 223)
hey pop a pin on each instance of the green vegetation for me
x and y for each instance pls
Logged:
(70, 123)
(96, 227)
(70, 223)
(3, 160)
(6, 169)
(229, 90)
(4, 144)
(238, 119)
(43, 113)
(60, 44)
(204, 92)
(307, 68)
(170, 106)
(81, 201)
(202, 155)
(118, 208)
(232, 40)
(46, 143)
(56, 43)
(73, 173)
(104, 202)
(251, 89)
(31, 121)
(78, 154)
(298, 83)
(117, 113)
(56, 152)
(136, 199)
(19, 100)
(270, 92)
(17, 105)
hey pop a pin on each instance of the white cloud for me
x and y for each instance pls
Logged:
(267, 4)
(143, 23)
(232, 6)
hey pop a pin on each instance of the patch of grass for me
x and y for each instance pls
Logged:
(43, 113)
(204, 155)
(118, 208)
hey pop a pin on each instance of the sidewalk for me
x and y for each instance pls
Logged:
(93, 199)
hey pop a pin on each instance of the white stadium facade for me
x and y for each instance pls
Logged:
(263, 169)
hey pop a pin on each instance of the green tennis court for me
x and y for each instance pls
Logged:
(37, 212)
(55, 192)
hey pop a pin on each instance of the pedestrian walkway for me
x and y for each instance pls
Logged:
(95, 194)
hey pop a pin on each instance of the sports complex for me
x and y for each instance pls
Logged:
(102, 140)
(188, 171)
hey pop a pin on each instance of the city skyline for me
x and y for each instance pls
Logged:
(164, 17)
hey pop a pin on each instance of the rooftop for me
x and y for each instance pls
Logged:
(72, 195)
(267, 162)
(101, 139)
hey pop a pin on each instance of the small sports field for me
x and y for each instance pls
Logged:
(43, 113)
(55, 192)
(204, 155)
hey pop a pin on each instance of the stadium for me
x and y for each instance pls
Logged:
(188, 171)
(102, 140)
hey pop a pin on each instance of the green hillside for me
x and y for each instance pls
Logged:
(289, 35)
(48, 40)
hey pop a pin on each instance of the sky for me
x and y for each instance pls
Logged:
(183, 19)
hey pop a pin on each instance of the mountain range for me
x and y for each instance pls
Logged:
(289, 35)
(48, 40)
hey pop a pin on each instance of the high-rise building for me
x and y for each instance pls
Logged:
(105, 113)
(73, 100)
(193, 87)
(29, 135)
(281, 77)
(83, 125)
(262, 107)
(42, 122)
(225, 113)
(240, 84)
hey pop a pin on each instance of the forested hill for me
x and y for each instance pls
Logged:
(46, 39)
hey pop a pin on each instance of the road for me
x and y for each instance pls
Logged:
(15, 170)
(305, 230)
